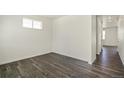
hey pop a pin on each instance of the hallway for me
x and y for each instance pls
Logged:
(110, 59)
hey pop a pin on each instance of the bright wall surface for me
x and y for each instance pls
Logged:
(72, 36)
(99, 35)
(18, 43)
(93, 36)
(111, 37)
(121, 38)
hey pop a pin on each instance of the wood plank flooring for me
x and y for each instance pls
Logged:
(53, 65)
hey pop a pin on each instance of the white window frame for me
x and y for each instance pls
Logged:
(37, 25)
(27, 23)
(33, 24)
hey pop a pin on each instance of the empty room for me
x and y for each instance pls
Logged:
(61, 46)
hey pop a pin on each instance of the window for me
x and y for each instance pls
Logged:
(103, 35)
(37, 25)
(29, 23)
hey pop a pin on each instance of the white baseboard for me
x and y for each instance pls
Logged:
(21, 58)
(121, 58)
(70, 56)
(92, 61)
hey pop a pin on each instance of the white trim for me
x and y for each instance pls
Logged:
(17, 59)
(69, 56)
(121, 58)
(92, 61)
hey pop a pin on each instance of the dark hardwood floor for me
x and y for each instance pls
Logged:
(53, 65)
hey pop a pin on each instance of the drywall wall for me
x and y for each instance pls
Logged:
(72, 36)
(99, 35)
(111, 37)
(121, 38)
(109, 21)
(109, 24)
(18, 43)
(93, 36)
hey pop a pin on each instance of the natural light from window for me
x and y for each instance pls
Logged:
(103, 35)
(33, 24)
(27, 23)
(37, 25)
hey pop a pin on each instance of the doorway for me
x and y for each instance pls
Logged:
(106, 32)
(107, 42)
(109, 31)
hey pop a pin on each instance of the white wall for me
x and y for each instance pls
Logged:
(72, 36)
(110, 24)
(110, 21)
(111, 37)
(18, 43)
(93, 34)
(121, 38)
(99, 35)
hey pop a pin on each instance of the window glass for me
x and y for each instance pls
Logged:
(37, 24)
(103, 35)
(27, 23)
